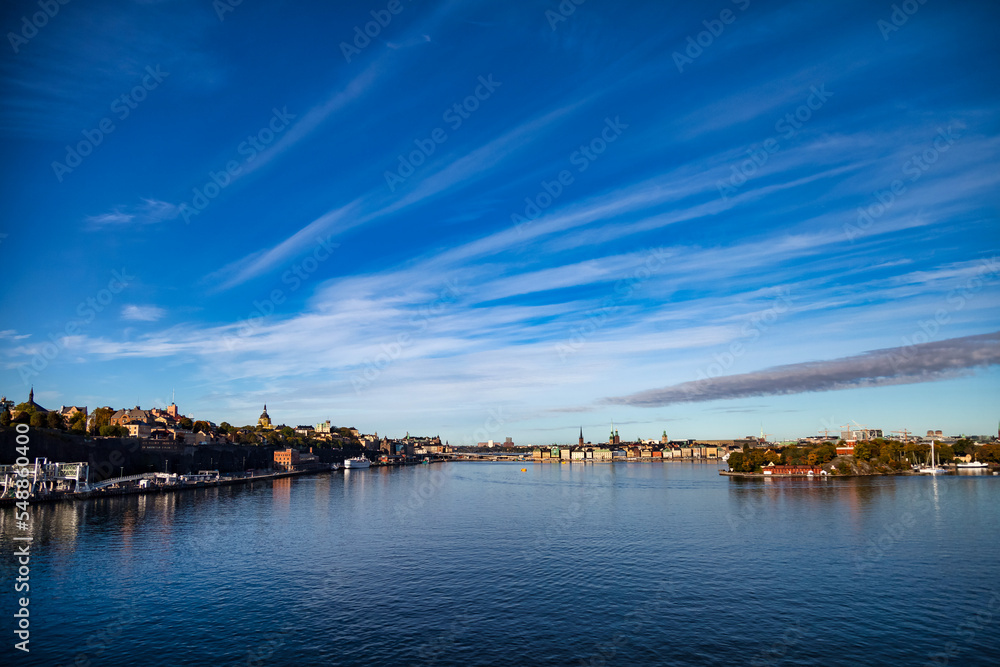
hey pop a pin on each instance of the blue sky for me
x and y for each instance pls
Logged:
(495, 219)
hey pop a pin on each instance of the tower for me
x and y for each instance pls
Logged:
(265, 419)
(581, 436)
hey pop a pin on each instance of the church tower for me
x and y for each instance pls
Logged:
(265, 419)
(581, 436)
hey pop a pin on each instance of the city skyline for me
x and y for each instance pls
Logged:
(649, 215)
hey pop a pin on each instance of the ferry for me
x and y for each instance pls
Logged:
(357, 462)
(975, 465)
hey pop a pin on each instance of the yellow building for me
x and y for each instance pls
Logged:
(265, 420)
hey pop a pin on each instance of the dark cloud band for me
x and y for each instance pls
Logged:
(910, 364)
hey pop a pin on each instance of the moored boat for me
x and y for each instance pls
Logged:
(357, 462)
(974, 465)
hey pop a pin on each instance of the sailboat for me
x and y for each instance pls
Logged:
(933, 469)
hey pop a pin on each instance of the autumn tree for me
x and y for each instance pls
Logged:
(863, 451)
(100, 417)
(55, 420)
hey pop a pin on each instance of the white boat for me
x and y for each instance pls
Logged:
(932, 469)
(357, 462)
(975, 465)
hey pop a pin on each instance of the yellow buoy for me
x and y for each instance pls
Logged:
(524, 470)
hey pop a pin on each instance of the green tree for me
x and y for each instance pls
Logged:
(5, 418)
(55, 420)
(863, 451)
(963, 446)
(185, 423)
(225, 427)
(100, 417)
(38, 420)
(25, 407)
(79, 423)
(943, 452)
(889, 451)
(287, 431)
(200, 426)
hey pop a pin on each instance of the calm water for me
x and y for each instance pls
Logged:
(482, 564)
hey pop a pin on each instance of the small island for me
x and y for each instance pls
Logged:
(878, 456)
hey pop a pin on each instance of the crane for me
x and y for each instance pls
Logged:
(905, 434)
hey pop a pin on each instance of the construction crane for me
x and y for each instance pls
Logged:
(905, 434)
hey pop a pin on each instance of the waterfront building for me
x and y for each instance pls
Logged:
(773, 469)
(286, 459)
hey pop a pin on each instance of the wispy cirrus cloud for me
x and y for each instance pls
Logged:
(142, 313)
(911, 364)
(149, 212)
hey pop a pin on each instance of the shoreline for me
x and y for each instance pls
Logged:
(110, 493)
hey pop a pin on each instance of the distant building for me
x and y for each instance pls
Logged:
(139, 429)
(265, 420)
(133, 415)
(36, 406)
(859, 434)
